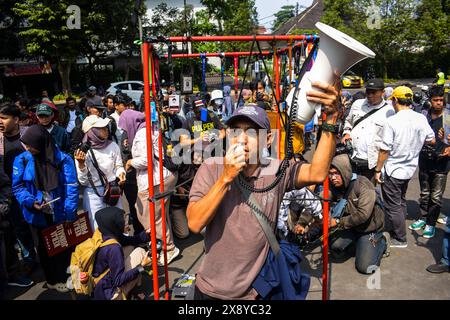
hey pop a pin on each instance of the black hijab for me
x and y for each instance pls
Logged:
(111, 222)
(46, 170)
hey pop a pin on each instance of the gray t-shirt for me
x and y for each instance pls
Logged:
(235, 245)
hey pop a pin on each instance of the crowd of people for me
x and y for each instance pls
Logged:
(95, 149)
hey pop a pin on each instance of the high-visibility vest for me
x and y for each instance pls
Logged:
(441, 79)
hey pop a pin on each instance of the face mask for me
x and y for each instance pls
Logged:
(218, 102)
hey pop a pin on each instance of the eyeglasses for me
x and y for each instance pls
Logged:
(333, 174)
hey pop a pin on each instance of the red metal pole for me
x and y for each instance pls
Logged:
(237, 38)
(212, 54)
(277, 94)
(150, 166)
(326, 208)
(161, 189)
(236, 77)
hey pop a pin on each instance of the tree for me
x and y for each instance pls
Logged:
(282, 16)
(47, 34)
(105, 27)
(397, 35)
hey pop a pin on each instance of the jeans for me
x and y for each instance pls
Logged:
(432, 187)
(368, 252)
(394, 191)
(446, 245)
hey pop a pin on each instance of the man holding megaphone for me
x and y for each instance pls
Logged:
(364, 125)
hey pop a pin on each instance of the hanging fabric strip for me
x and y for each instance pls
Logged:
(203, 57)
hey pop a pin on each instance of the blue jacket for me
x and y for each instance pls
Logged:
(25, 191)
(281, 278)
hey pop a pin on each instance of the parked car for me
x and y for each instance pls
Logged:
(351, 80)
(132, 88)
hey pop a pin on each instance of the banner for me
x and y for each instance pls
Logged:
(60, 237)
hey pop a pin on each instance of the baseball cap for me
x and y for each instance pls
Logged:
(375, 84)
(253, 113)
(402, 92)
(94, 121)
(44, 110)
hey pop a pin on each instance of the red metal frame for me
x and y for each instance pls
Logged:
(326, 210)
(212, 54)
(276, 64)
(237, 38)
(161, 187)
(147, 51)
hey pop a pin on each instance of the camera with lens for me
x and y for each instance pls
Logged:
(429, 152)
(344, 148)
(259, 96)
(84, 147)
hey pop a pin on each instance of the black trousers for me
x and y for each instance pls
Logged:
(394, 191)
(198, 295)
(131, 192)
(55, 268)
(361, 168)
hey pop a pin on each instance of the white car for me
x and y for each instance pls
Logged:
(132, 88)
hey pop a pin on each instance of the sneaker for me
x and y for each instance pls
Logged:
(398, 244)
(443, 220)
(20, 281)
(429, 231)
(438, 268)
(60, 287)
(419, 224)
(171, 255)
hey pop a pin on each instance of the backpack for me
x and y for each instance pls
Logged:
(82, 263)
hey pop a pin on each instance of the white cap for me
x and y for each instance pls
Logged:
(94, 121)
(216, 94)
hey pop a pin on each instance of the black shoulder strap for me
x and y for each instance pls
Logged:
(367, 115)
(101, 175)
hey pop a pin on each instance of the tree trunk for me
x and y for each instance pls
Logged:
(64, 71)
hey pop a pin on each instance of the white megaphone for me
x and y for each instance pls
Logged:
(337, 52)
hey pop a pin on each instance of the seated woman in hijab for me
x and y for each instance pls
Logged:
(41, 174)
(101, 160)
(125, 262)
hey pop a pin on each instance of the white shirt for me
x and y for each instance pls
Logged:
(403, 136)
(303, 196)
(109, 161)
(71, 124)
(367, 135)
(139, 161)
(119, 131)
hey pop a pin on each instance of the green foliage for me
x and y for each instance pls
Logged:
(412, 39)
(282, 16)
(105, 26)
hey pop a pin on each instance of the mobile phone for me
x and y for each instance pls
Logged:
(50, 202)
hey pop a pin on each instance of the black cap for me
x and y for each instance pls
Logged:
(375, 84)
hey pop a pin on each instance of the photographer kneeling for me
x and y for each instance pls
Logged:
(362, 218)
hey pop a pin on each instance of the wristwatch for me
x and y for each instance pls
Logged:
(333, 128)
(377, 171)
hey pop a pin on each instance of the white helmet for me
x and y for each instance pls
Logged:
(216, 94)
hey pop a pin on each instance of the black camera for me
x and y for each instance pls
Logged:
(259, 96)
(84, 147)
(159, 245)
(344, 148)
(429, 152)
